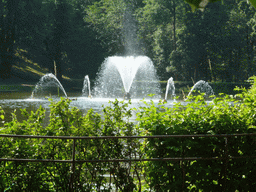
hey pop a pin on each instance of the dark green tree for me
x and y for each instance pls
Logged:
(7, 36)
(61, 24)
(241, 62)
(84, 50)
(200, 42)
(159, 22)
(106, 18)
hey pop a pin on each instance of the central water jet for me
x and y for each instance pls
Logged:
(127, 68)
(129, 76)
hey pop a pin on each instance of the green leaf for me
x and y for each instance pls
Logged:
(252, 127)
(253, 2)
(195, 4)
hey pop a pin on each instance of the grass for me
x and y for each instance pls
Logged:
(26, 73)
(27, 67)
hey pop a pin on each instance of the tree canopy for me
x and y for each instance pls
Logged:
(75, 36)
(197, 4)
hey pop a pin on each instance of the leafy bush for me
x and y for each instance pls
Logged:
(223, 115)
(67, 121)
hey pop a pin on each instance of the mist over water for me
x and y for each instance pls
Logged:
(129, 31)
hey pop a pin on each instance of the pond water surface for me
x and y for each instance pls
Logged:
(13, 101)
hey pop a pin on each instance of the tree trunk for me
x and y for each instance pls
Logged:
(174, 24)
(49, 54)
(58, 64)
(61, 23)
(250, 54)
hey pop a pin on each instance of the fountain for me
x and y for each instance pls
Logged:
(119, 77)
(130, 76)
(86, 91)
(170, 88)
(47, 82)
(203, 87)
(107, 82)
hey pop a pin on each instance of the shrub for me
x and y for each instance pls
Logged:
(67, 121)
(223, 115)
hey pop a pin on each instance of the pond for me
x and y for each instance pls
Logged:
(13, 101)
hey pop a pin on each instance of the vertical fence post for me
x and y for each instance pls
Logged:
(182, 165)
(225, 164)
(73, 166)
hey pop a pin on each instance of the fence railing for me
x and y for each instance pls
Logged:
(73, 161)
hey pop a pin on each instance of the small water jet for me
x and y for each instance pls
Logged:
(86, 91)
(121, 75)
(203, 87)
(170, 88)
(45, 85)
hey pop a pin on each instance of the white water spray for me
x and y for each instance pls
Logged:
(121, 75)
(170, 88)
(86, 91)
(48, 80)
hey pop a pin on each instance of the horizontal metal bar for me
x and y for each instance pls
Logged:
(165, 159)
(128, 160)
(36, 160)
(126, 137)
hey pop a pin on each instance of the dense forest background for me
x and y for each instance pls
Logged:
(74, 37)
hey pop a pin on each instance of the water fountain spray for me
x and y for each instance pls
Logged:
(128, 76)
(203, 87)
(48, 80)
(86, 87)
(170, 88)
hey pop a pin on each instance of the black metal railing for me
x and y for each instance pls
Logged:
(73, 160)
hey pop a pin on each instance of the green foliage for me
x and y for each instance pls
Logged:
(69, 121)
(106, 18)
(199, 4)
(253, 2)
(225, 114)
(195, 4)
(216, 44)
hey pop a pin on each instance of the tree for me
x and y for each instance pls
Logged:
(201, 4)
(106, 18)
(200, 42)
(61, 24)
(7, 36)
(83, 47)
(158, 22)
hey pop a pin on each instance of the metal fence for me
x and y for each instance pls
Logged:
(73, 161)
